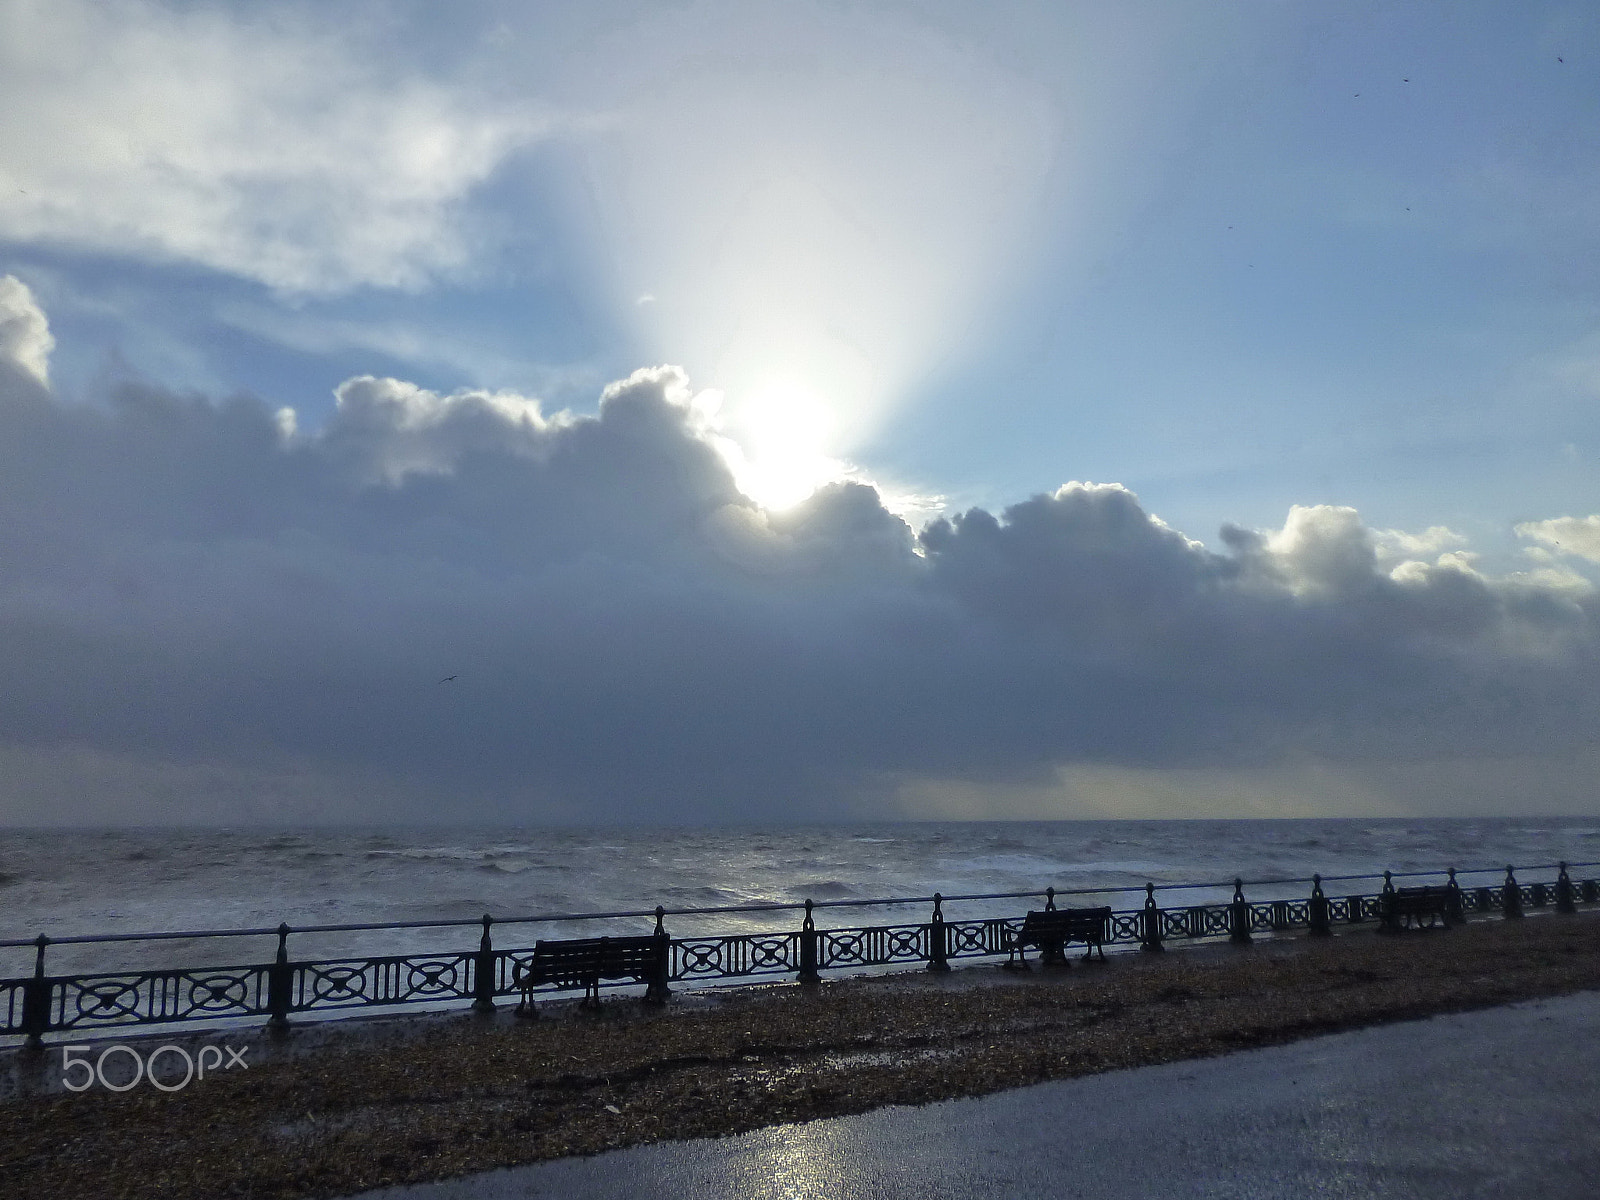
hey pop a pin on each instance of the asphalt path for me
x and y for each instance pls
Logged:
(1499, 1103)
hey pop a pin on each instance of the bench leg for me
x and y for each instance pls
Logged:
(525, 1006)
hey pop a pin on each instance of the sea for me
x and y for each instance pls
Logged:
(133, 881)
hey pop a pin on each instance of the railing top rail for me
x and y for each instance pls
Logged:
(773, 906)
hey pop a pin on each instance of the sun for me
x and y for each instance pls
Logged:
(781, 433)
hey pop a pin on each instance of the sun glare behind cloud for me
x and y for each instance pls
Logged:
(776, 442)
(837, 232)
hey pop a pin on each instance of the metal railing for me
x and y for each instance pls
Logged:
(42, 1003)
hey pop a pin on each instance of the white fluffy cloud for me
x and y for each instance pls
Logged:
(25, 338)
(1566, 535)
(1397, 544)
(260, 141)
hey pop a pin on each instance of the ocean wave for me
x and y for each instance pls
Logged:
(703, 896)
(1138, 867)
(504, 866)
(829, 889)
(1034, 866)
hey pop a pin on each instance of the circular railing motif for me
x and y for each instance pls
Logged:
(218, 993)
(434, 977)
(1125, 927)
(106, 999)
(338, 982)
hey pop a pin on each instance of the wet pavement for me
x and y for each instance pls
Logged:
(1499, 1103)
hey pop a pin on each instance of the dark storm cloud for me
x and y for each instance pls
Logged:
(207, 603)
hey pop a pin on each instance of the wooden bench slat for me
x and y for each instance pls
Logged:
(584, 962)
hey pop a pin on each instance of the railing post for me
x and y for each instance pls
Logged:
(1565, 903)
(1317, 910)
(1511, 896)
(1150, 927)
(1454, 906)
(36, 998)
(280, 983)
(1050, 952)
(1239, 916)
(938, 938)
(483, 972)
(808, 949)
(658, 992)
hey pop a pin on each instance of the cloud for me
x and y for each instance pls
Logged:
(265, 144)
(208, 614)
(1578, 536)
(25, 340)
(1392, 544)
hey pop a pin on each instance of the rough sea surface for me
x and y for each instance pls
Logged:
(130, 881)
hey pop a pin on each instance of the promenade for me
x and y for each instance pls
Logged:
(1497, 1103)
(351, 1107)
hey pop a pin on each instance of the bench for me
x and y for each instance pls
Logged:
(1052, 928)
(584, 962)
(1412, 906)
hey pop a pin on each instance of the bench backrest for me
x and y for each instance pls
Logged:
(1419, 899)
(1067, 922)
(580, 959)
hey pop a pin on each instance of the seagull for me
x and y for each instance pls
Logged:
(447, 679)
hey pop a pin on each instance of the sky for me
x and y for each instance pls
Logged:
(707, 412)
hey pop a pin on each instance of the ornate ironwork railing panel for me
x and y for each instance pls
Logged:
(735, 956)
(1195, 921)
(368, 982)
(873, 946)
(156, 997)
(1290, 914)
(978, 939)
